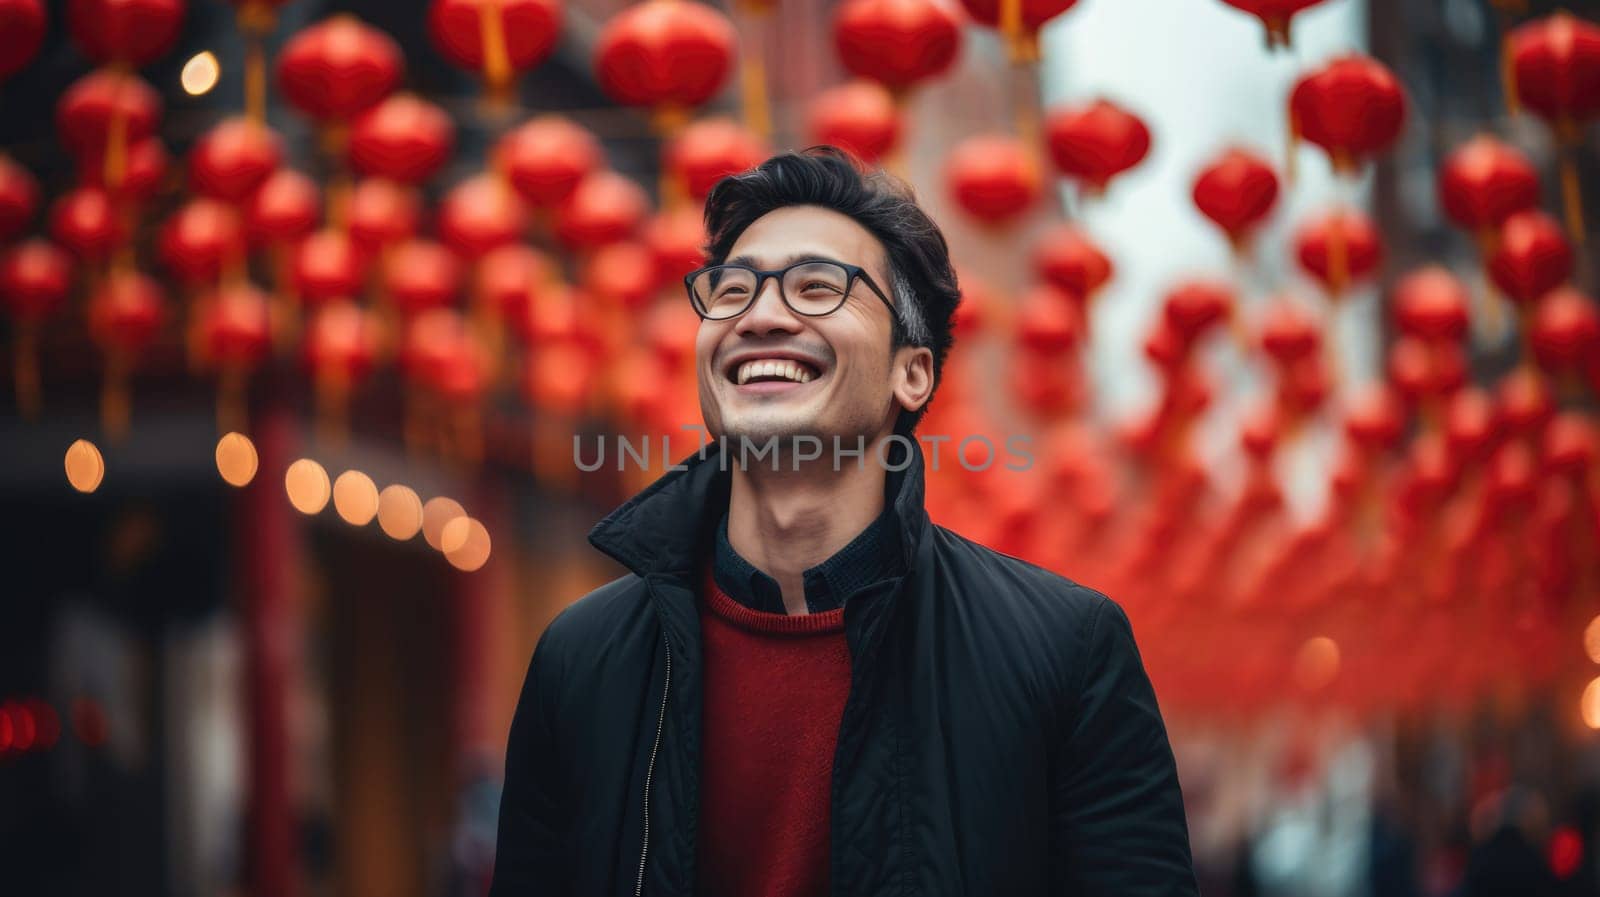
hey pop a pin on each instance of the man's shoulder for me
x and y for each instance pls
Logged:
(984, 574)
(606, 610)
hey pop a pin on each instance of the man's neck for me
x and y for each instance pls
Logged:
(786, 521)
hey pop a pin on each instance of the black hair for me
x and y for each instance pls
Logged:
(923, 282)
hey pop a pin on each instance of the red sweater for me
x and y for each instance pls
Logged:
(774, 692)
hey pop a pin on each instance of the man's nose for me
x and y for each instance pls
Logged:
(768, 314)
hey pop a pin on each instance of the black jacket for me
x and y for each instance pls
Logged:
(1000, 736)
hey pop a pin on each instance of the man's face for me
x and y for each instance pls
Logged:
(844, 359)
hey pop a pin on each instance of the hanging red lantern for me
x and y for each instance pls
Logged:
(1289, 335)
(22, 26)
(510, 277)
(283, 210)
(1352, 107)
(1565, 331)
(709, 150)
(622, 275)
(859, 117)
(1049, 321)
(430, 339)
(1571, 444)
(677, 239)
(1431, 305)
(1340, 249)
(1485, 182)
(559, 379)
(125, 314)
(1096, 142)
(1374, 419)
(201, 240)
(1469, 427)
(19, 198)
(496, 38)
(1018, 21)
(1275, 15)
(382, 213)
(236, 334)
(604, 208)
(131, 32)
(480, 214)
(102, 104)
(1070, 259)
(143, 172)
(1531, 258)
(338, 68)
(897, 43)
(1526, 402)
(341, 347)
(993, 177)
(86, 222)
(546, 157)
(230, 161)
(328, 267)
(403, 138)
(1195, 307)
(1421, 371)
(1555, 64)
(35, 277)
(1237, 192)
(665, 55)
(421, 275)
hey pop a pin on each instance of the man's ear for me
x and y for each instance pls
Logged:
(913, 376)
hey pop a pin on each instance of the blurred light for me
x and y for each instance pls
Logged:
(1316, 664)
(46, 724)
(1591, 704)
(200, 73)
(1565, 852)
(22, 730)
(236, 459)
(5, 728)
(399, 511)
(307, 485)
(1591, 640)
(355, 497)
(435, 514)
(85, 467)
(89, 721)
(465, 543)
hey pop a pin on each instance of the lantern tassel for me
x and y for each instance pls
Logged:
(497, 73)
(1571, 190)
(1011, 28)
(753, 84)
(1291, 162)
(231, 415)
(115, 403)
(1338, 256)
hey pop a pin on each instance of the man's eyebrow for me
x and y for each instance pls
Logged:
(753, 262)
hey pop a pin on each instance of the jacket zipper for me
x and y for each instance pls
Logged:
(650, 768)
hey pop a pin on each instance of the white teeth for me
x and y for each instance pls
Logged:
(787, 370)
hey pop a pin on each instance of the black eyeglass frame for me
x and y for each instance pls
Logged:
(852, 272)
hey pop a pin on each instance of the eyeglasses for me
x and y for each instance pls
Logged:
(811, 287)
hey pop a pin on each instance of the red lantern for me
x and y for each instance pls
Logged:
(22, 25)
(19, 198)
(677, 239)
(1275, 15)
(1096, 142)
(604, 208)
(1353, 108)
(1236, 192)
(1431, 305)
(34, 279)
(622, 275)
(1339, 249)
(480, 214)
(1531, 258)
(1032, 13)
(896, 43)
(495, 37)
(125, 314)
(85, 222)
(1050, 321)
(421, 275)
(546, 157)
(1374, 419)
(664, 55)
(383, 213)
(1485, 182)
(1526, 404)
(711, 149)
(87, 110)
(1470, 422)
(994, 178)
(1289, 335)
(510, 277)
(1565, 332)
(1070, 259)
(143, 171)
(559, 379)
(1197, 306)
(404, 138)
(134, 32)
(283, 210)
(236, 330)
(859, 117)
(233, 159)
(430, 339)
(201, 240)
(341, 347)
(338, 68)
(328, 267)
(1555, 65)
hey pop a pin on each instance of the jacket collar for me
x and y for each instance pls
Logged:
(666, 529)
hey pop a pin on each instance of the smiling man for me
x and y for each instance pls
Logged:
(804, 687)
